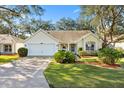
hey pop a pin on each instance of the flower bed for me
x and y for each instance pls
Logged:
(100, 64)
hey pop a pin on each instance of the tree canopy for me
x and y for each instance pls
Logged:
(66, 24)
(71, 24)
(10, 16)
(108, 21)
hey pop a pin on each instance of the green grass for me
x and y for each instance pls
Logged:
(83, 76)
(91, 59)
(7, 58)
(121, 62)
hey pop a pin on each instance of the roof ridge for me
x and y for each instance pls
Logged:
(68, 31)
(12, 37)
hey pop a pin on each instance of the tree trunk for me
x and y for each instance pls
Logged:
(104, 45)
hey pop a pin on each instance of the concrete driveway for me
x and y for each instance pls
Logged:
(24, 73)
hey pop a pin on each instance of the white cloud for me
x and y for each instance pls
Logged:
(76, 11)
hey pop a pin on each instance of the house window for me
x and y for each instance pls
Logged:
(72, 47)
(7, 48)
(90, 46)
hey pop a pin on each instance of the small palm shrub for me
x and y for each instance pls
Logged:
(64, 57)
(80, 49)
(22, 52)
(109, 55)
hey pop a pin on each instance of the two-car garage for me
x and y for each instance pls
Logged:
(41, 49)
(41, 44)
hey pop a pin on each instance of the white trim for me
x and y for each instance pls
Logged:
(68, 46)
(90, 33)
(84, 47)
(83, 37)
(96, 46)
(95, 35)
(41, 31)
(50, 36)
(31, 36)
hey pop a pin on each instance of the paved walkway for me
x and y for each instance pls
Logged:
(25, 73)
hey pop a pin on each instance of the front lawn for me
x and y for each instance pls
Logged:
(7, 58)
(82, 75)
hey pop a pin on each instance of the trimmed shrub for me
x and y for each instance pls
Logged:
(22, 52)
(59, 56)
(109, 55)
(70, 57)
(84, 53)
(64, 57)
(81, 52)
(121, 50)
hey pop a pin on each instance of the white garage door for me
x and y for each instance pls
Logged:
(41, 49)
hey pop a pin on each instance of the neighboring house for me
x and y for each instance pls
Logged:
(10, 44)
(46, 43)
(120, 44)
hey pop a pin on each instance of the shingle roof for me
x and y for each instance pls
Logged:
(5, 38)
(68, 36)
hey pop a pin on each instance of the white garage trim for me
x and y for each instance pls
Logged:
(45, 49)
(41, 31)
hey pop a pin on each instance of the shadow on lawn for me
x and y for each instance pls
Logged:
(85, 76)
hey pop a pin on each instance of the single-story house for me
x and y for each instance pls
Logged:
(10, 44)
(120, 44)
(46, 43)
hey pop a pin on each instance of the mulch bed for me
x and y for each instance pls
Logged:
(87, 56)
(8, 54)
(100, 64)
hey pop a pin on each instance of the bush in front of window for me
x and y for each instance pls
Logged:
(109, 55)
(22, 52)
(92, 53)
(82, 53)
(64, 57)
(85, 53)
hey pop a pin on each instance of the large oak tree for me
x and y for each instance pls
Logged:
(108, 21)
(12, 16)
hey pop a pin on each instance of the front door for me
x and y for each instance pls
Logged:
(73, 47)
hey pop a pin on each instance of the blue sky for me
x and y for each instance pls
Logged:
(55, 12)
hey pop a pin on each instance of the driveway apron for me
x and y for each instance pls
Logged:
(24, 73)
